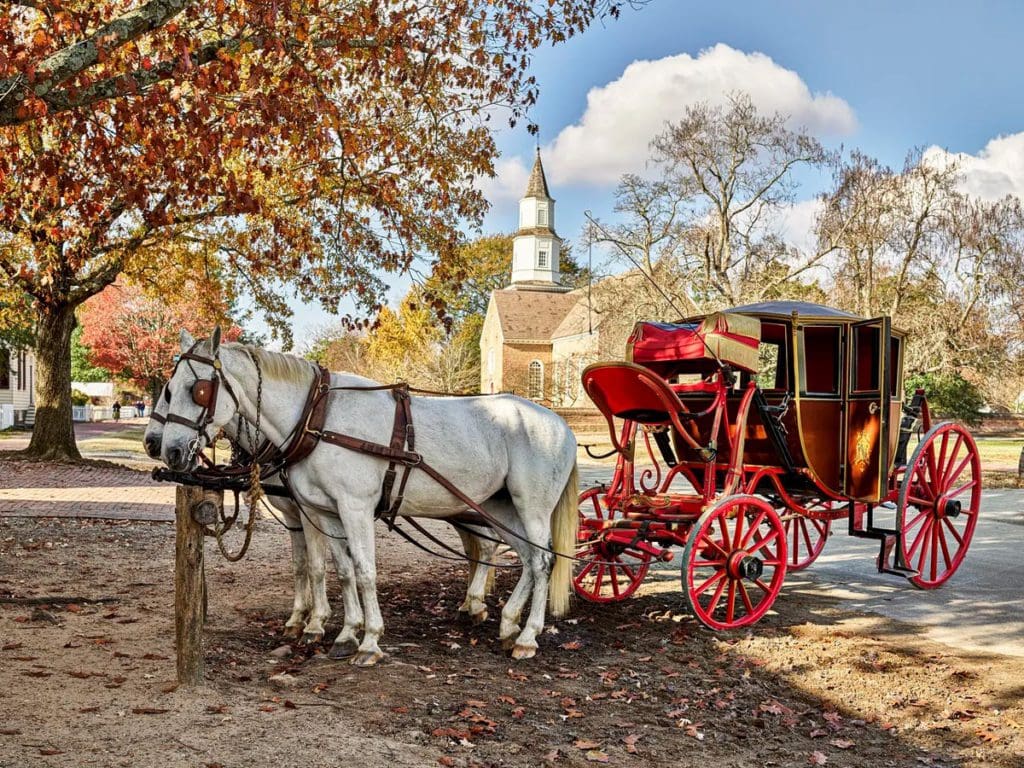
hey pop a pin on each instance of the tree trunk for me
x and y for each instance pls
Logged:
(53, 436)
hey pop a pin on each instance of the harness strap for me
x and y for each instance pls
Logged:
(402, 435)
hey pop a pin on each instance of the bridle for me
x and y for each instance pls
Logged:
(204, 394)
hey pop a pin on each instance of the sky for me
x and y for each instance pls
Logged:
(881, 77)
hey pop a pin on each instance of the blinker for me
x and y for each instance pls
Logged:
(202, 393)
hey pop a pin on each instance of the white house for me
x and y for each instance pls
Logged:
(17, 385)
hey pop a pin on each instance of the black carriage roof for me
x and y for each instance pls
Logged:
(787, 308)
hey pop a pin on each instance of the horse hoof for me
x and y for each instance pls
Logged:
(367, 658)
(479, 618)
(524, 651)
(293, 631)
(311, 638)
(508, 643)
(343, 650)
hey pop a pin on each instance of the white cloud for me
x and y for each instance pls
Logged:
(795, 224)
(612, 136)
(508, 184)
(996, 171)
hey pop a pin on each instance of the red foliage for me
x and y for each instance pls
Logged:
(135, 335)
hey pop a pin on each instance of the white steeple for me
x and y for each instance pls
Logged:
(535, 250)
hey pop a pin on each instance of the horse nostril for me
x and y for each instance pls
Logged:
(152, 447)
(174, 457)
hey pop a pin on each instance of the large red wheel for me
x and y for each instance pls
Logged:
(734, 562)
(938, 504)
(606, 571)
(805, 539)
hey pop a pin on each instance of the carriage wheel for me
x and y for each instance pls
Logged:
(938, 504)
(605, 571)
(734, 562)
(805, 539)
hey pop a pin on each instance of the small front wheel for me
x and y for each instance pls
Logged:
(805, 539)
(606, 570)
(734, 562)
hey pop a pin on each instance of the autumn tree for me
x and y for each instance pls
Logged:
(135, 336)
(314, 143)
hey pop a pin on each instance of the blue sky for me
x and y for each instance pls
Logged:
(883, 77)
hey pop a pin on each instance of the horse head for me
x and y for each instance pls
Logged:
(195, 407)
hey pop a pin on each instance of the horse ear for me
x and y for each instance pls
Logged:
(215, 341)
(187, 342)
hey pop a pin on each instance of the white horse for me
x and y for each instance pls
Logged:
(516, 458)
(310, 606)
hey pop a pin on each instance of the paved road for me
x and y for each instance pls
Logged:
(84, 430)
(980, 608)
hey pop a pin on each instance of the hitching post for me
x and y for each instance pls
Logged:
(189, 586)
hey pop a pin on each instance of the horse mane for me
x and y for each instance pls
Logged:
(279, 365)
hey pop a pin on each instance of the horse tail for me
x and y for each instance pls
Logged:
(564, 523)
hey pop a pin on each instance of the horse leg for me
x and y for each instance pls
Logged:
(358, 524)
(481, 550)
(316, 564)
(300, 574)
(347, 641)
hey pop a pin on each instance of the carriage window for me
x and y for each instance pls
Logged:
(819, 360)
(771, 357)
(895, 367)
(535, 385)
(866, 358)
(767, 376)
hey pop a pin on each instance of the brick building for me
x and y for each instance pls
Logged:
(538, 335)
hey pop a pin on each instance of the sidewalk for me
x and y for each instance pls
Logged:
(30, 489)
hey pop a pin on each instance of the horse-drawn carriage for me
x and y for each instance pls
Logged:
(741, 435)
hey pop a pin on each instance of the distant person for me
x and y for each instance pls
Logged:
(117, 411)
(140, 408)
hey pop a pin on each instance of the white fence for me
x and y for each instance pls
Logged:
(93, 413)
(6, 416)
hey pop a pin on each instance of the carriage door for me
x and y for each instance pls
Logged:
(867, 410)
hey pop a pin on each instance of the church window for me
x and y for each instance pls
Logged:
(543, 261)
(535, 384)
(542, 215)
(5, 369)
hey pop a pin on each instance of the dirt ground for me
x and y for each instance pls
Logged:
(634, 684)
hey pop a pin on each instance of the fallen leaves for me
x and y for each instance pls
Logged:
(148, 711)
(817, 758)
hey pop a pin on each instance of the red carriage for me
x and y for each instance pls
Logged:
(741, 435)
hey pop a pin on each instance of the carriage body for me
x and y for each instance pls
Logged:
(744, 433)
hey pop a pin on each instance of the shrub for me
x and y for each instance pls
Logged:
(79, 398)
(949, 395)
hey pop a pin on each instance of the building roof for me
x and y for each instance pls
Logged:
(537, 185)
(531, 315)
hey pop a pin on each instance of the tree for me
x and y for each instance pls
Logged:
(317, 141)
(81, 368)
(727, 175)
(949, 395)
(135, 336)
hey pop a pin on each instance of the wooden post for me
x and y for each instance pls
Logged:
(189, 587)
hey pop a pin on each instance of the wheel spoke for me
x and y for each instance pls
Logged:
(951, 478)
(761, 542)
(953, 530)
(753, 529)
(934, 549)
(919, 502)
(941, 464)
(763, 586)
(946, 479)
(586, 569)
(745, 596)
(941, 536)
(923, 485)
(970, 484)
(737, 535)
(807, 537)
(599, 578)
(730, 603)
(703, 587)
(912, 523)
(629, 572)
(716, 597)
(716, 545)
(708, 563)
(917, 539)
(613, 575)
(926, 530)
